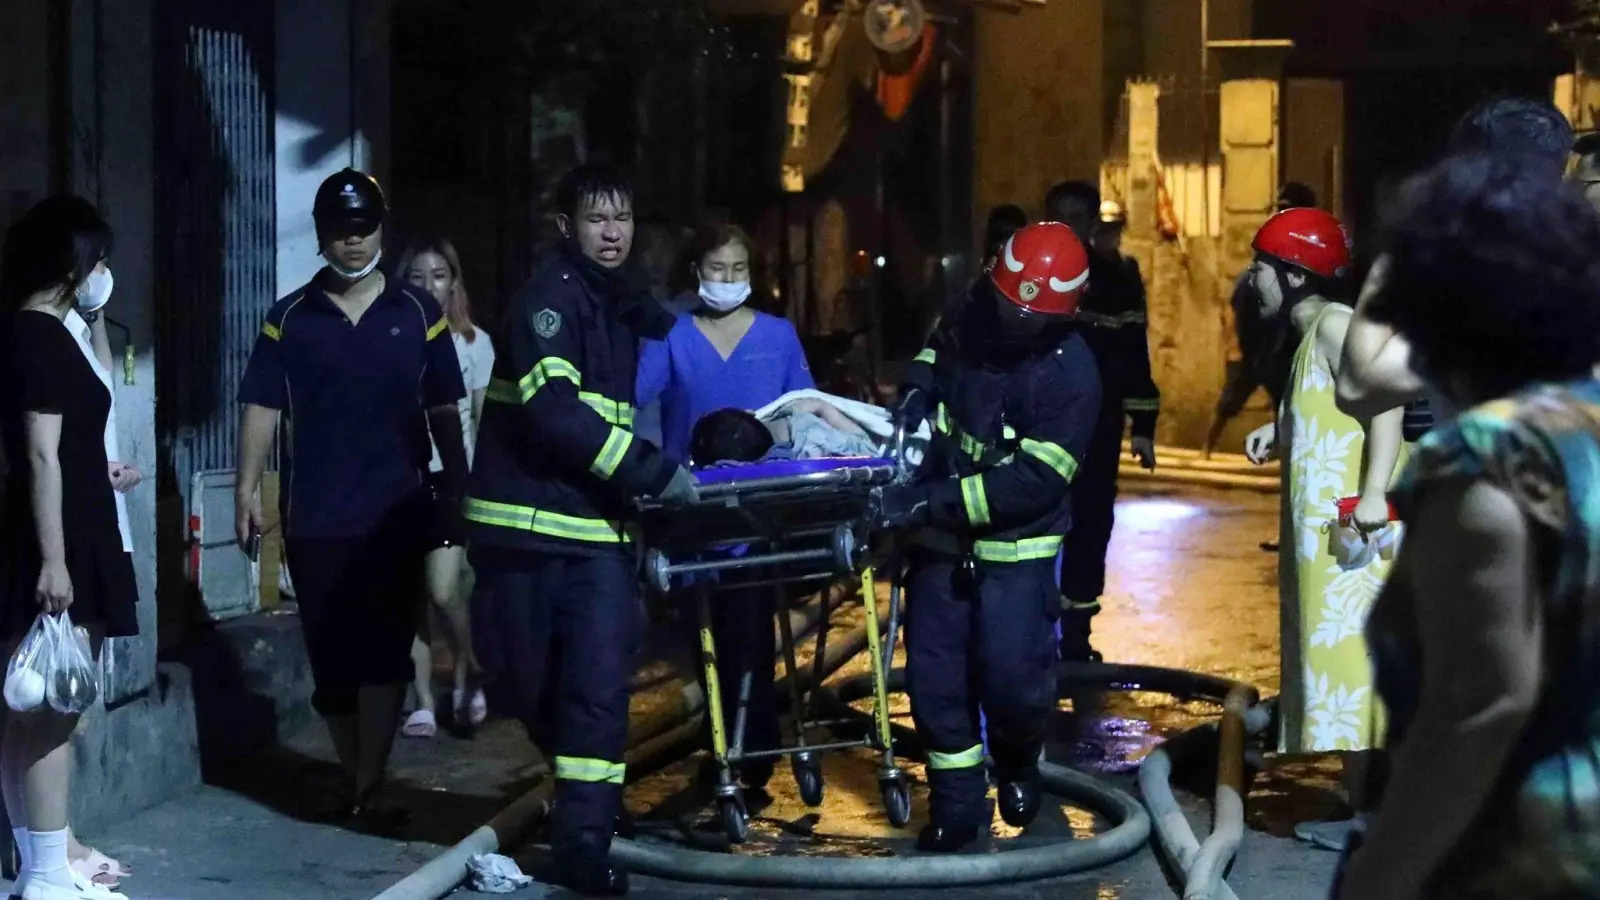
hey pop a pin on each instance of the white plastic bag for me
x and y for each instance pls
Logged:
(1353, 550)
(26, 674)
(73, 680)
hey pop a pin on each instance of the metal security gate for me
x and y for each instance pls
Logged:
(216, 266)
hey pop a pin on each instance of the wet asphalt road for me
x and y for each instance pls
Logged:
(1189, 588)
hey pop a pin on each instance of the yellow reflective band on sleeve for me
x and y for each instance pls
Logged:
(613, 412)
(975, 500)
(1073, 606)
(539, 521)
(941, 419)
(544, 371)
(1146, 405)
(969, 758)
(438, 328)
(271, 330)
(1053, 456)
(1026, 550)
(611, 454)
(929, 356)
(594, 771)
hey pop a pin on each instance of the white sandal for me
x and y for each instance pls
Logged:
(420, 724)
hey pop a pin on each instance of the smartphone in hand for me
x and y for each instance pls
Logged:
(253, 546)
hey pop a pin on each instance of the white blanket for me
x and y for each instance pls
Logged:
(874, 420)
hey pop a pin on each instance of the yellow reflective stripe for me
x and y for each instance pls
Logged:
(1148, 405)
(929, 356)
(613, 412)
(975, 500)
(1008, 433)
(1026, 550)
(1051, 455)
(438, 328)
(941, 419)
(540, 521)
(543, 371)
(966, 759)
(271, 330)
(1069, 605)
(611, 454)
(594, 771)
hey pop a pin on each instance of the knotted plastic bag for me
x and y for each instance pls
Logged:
(72, 683)
(27, 672)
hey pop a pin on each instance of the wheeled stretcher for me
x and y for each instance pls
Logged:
(777, 524)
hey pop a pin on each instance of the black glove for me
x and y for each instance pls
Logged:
(911, 409)
(900, 506)
(681, 490)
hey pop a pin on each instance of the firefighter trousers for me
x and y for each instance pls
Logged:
(565, 629)
(978, 642)
(1094, 500)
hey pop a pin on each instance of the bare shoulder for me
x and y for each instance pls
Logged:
(1332, 328)
(1473, 517)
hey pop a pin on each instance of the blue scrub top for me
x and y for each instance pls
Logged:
(691, 379)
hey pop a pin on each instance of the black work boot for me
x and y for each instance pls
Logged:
(946, 838)
(1075, 630)
(1018, 797)
(585, 868)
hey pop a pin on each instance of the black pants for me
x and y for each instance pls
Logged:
(742, 622)
(1094, 501)
(989, 644)
(359, 597)
(560, 634)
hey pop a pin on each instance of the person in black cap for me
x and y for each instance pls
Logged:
(361, 366)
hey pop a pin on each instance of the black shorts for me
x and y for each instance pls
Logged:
(359, 604)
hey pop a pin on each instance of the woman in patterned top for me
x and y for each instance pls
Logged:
(1487, 636)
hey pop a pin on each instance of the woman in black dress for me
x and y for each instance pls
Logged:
(59, 543)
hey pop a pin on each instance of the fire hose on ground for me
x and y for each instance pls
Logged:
(1201, 863)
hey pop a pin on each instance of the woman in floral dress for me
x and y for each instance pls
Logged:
(1326, 702)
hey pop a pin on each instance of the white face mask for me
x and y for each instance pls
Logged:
(95, 292)
(724, 296)
(356, 274)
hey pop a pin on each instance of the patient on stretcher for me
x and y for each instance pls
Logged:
(803, 429)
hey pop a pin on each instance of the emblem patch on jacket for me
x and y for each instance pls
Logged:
(546, 323)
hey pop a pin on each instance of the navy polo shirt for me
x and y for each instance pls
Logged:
(355, 397)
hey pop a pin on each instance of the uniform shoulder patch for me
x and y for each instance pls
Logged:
(547, 323)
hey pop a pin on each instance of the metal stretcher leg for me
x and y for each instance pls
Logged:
(892, 785)
(805, 764)
(735, 818)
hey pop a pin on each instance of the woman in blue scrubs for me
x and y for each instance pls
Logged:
(725, 355)
(722, 354)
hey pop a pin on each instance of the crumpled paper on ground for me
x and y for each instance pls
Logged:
(496, 874)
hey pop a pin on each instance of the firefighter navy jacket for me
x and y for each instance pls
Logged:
(1008, 438)
(1117, 330)
(557, 465)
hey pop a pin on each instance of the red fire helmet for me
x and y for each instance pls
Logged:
(1043, 269)
(1309, 238)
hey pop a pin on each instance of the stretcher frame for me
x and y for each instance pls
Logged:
(807, 524)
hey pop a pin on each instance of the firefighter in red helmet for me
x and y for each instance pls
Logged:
(1012, 392)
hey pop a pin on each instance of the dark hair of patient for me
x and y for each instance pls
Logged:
(728, 435)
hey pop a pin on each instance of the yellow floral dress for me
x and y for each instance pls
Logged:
(1326, 701)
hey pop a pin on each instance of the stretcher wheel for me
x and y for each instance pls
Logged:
(808, 777)
(655, 567)
(896, 801)
(844, 548)
(735, 819)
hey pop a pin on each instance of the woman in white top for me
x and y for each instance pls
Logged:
(434, 266)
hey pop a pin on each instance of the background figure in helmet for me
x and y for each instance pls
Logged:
(1262, 357)
(1327, 578)
(1012, 392)
(354, 359)
(1004, 221)
(1115, 327)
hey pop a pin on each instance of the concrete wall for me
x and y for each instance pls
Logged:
(1038, 104)
(324, 122)
(24, 107)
